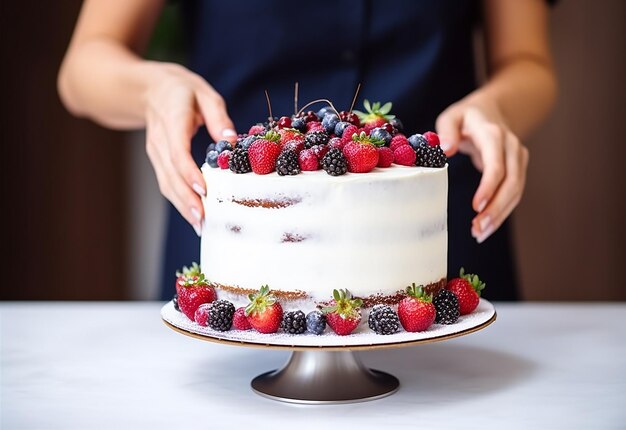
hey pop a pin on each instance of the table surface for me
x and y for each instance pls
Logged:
(116, 365)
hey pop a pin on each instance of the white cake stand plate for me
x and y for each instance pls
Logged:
(323, 369)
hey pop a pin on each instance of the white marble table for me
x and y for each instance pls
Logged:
(117, 366)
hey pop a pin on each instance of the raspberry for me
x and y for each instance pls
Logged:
(362, 158)
(256, 129)
(308, 160)
(262, 155)
(432, 138)
(404, 156)
(349, 131)
(294, 145)
(240, 320)
(398, 140)
(222, 159)
(385, 157)
(320, 150)
(335, 142)
(201, 316)
(314, 126)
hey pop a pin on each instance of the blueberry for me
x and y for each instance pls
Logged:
(381, 134)
(340, 127)
(416, 140)
(397, 124)
(211, 147)
(330, 122)
(324, 111)
(211, 158)
(223, 145)
(315, 322)
(299, 124)
(247, 141)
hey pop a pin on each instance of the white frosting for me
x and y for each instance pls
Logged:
(372, 233)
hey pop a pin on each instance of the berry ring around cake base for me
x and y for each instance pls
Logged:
(323, 369)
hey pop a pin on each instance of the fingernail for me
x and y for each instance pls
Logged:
(484, 235)
(197, 229)
(484, 223)
(228, 132)
(198, 189)
(482, 205)
(196, 214)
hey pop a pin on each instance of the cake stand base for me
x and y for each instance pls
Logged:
(324, 377)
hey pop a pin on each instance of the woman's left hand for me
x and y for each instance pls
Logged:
(476, 127)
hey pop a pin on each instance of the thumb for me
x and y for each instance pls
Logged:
(448, 125)
(216, 119)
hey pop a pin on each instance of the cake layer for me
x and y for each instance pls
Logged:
(305, 235)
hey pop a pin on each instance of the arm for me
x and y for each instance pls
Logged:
(518, 95)
(103, 77)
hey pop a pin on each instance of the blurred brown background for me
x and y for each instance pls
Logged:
(82, 215)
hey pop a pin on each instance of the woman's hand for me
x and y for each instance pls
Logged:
(476, 127)
(177, 103)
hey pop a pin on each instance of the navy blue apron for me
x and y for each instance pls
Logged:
(416, 54)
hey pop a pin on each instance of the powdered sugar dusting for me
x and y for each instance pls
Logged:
(361, 337)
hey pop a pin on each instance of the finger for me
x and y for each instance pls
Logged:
(448, 125)
(508, 194)
(216, 118)
(489, 140)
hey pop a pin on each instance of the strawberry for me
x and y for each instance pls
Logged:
(201, 315)
(398, 140)
(256, 129)
(287, 134)
(192, 292)
(416, 311)
(385, 157)
(376, 116)
(185, 272)
(404, 155)
(361, 153)
(222, 159)
(432, 138)
(264, 152)
(343, 314)
(240, 320)
(264, 313)
(467, 288)
(308, 161)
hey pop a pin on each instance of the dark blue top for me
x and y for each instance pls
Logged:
(415, 53)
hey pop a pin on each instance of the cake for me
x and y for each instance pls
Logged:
(304, 236)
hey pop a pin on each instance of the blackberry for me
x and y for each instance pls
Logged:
(239, 161)
(430, 156)
(287, 163)
(383, 320)
(294, 322)
(175, 302)
(221, 315)
(211, 158)
(316, 322)
(315, 138)
(299, 124)
(334, 162)
(447, 307)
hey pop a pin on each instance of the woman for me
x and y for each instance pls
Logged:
(417, 54)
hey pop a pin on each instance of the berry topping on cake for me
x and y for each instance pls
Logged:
(287, 163)
(294, 322)
(334, 162)
(223, 159)
(404, 155)
(211, 158)
(385, 157)
(375, 114)
(316, 322)
(430, 156)
(315, 138)
(264, 152)
(467, 288)
(221, 315)
(192, 292)
(383, 320)
(447, 307)
(264, 312)
(308, 160)
(343, 314)
(239, 161)
(416, 311)
(432, 138)
(240, 320)
(201, 316)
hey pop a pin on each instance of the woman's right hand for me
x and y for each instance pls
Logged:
(178, 102)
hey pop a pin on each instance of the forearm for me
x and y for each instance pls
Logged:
(523, 90)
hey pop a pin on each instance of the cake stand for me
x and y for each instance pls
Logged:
(325, 369)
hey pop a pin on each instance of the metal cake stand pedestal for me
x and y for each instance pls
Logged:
(326, 369)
